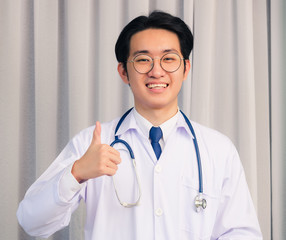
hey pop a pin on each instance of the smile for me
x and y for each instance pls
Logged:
(157, 85)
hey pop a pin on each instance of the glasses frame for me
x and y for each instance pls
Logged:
(152, 65)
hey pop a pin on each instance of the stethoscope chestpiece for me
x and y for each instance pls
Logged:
(200, 202)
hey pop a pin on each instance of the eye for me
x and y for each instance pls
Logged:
(143, 59)
(169, 58)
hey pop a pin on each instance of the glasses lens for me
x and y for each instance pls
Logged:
(143, 63)
(171, 62)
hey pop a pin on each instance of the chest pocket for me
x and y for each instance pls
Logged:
(196, 225)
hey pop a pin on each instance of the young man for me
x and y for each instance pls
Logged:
(156, 197)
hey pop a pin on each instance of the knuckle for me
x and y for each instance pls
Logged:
(104, 146)
(101, 169)
(112, 172)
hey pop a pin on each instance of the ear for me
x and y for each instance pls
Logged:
(187, 69)
(123, 73)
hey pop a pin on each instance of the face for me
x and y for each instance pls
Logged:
(157, 89)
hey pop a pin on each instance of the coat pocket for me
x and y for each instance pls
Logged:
(197, 225)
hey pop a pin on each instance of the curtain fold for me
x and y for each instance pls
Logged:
(10, 115)
(278, 115)
(58, 75)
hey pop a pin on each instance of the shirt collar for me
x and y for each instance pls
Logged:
(166, 127)
(136, 121)
(143, 123)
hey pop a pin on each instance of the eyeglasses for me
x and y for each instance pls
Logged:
(170, 62)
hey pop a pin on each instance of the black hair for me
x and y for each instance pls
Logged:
(156, 20)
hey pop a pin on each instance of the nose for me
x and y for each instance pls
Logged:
(157, 71)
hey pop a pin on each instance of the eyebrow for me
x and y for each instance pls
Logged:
(146, 51)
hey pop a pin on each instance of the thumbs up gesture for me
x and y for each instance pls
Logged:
(99, 159)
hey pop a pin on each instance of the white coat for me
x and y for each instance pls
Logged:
(169, 187)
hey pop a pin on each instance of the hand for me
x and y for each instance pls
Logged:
(99, 159)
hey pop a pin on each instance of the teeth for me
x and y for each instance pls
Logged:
(156, 86)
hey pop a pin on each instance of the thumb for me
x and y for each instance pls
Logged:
(97, 133)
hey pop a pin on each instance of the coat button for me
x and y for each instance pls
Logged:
(158, 168)
(159, 212)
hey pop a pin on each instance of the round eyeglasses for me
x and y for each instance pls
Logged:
(143, 63)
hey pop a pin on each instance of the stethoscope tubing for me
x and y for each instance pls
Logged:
(199, 201)
(201, 190)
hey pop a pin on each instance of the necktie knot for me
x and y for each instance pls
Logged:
(155, 136)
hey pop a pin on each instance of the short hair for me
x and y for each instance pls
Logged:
(156, 20)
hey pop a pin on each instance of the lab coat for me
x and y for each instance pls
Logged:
(169, 188)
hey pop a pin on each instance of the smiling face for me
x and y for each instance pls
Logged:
(157, 89)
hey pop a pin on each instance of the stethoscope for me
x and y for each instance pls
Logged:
(200, 202)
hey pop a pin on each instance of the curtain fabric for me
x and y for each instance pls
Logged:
(277, 54)
(58, 75)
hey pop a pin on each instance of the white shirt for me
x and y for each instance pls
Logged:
(169, 186)
(166, 127)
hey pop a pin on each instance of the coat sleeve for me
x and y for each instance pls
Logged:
(236, 216)
(50, 201)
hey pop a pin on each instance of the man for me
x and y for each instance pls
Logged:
(155, 198)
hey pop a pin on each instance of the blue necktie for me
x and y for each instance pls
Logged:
(155, 136)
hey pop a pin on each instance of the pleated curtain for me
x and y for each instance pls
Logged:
(58, 75)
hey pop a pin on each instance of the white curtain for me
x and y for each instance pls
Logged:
(58, 75)
(278, 116)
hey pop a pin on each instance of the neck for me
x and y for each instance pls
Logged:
(157, 116)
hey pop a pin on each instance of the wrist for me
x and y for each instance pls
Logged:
(76, 173)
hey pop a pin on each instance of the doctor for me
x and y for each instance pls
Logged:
(151, 197)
